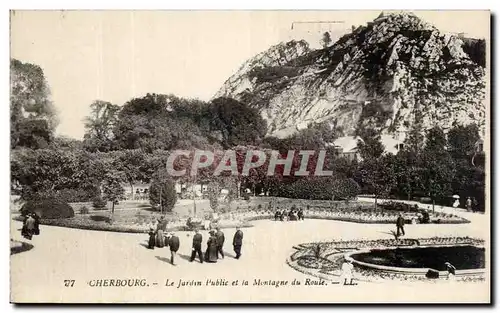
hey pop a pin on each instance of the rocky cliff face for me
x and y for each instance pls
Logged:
(380, 75)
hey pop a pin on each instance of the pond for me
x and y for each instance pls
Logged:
(462, 257)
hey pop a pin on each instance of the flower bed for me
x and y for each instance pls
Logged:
(361, 213)
(141, 221)
(18, 246)
(104, 223)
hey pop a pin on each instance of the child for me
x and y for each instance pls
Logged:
(152, 237)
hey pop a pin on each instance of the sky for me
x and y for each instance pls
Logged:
(117, 55)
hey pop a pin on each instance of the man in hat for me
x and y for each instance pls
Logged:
(174, 244)
(220, 242)
(238, 242)
(400, 223)
(197, 240)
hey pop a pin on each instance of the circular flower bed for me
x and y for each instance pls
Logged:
(18, 246)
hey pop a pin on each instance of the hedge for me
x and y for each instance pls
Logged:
(50, 208)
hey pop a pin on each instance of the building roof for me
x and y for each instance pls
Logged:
(347, 144)
(390, 143)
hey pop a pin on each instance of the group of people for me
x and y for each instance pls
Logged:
(171, 240)
(31, 225)
(215, 245)
(293, 215)
(159, 238)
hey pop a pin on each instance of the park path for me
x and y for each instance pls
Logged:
(62, 253)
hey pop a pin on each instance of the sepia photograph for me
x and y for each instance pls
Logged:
(166, 157)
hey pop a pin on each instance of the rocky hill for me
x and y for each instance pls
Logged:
(379, 75)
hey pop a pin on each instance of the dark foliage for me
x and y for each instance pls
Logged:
(50, 208)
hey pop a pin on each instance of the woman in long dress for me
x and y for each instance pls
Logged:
(211, 253)
(152, 238)
(160, 232)
(160, 238)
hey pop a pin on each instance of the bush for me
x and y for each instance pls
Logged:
(213, 195)
(168, 194)
(50, 208)
(75, 195)
(425, 200)
(84, 210)
(345, 189)
(314, 188)
(98, 203)
(398, 206)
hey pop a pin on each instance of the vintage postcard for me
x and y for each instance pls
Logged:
(250, 157)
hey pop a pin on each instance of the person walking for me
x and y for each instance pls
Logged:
(174, 244)
(238, 242)
(211, 253)
(197, 240)
(474, 205)
(30, 226)
(220, 242)
(301, 214)
(160, 232)
(152, 238)
(37, 224)
(468, 204)
(400, 223)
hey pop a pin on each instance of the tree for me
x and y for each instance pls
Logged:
(132, 164)
(100, 124)
(165, 122)
(469, 178)
(235, 122)
(213, 195)
(462, 140)
(414, 142)
(326, 40)
(112, 188)
(438, 171)
(377, 175)
(34, 133)
(162, 193)
(32, 113)
(409, 171)
(370, 147)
